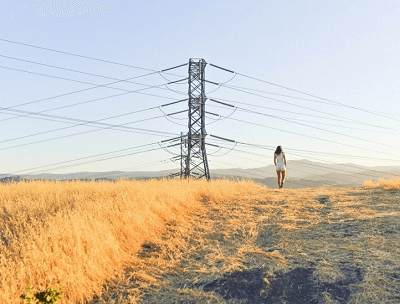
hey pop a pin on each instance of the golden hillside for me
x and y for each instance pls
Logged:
(200, 242)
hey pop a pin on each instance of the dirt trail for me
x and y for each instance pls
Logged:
(273, 246)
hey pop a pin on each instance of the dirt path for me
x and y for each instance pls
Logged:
(290, 246)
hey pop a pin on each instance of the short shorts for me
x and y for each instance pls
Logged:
(280, 167)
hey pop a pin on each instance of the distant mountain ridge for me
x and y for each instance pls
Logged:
(300, 173)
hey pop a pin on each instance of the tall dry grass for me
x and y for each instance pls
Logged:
(389, 184)
(81, 234)
(260, 235)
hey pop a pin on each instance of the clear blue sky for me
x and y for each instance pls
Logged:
(344, 51)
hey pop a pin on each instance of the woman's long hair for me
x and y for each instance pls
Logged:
(279, 150)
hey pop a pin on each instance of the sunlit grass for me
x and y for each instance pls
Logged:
(84, 235)
(81, 234)
(389, 184)
(329, 231)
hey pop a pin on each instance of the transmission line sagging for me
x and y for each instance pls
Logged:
(252, 113)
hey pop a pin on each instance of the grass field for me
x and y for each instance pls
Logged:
(175, 241)
(81, 234)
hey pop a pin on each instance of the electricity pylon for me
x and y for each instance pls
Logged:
(193, 154)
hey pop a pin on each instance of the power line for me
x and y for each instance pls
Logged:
(347, 120)
(86, 57)
(306, 99)
(251, 153)
(333, 102)
(346, 165)
(303, 107)
(29, 114)
(288, 179)
(85, 73)
(93, 123)
(55, 77)
(97, 160)
(296, 122)
(315, 96)
(82, 124)
(302, 120)
(75, 104)
(319, 152)
(270, 148)
(307, 165)
(352, 166)
(309, 136)
(145, 131)
(69, 93)
(340, 126)
(104, 126)
(62, 118)
(127, 92)
(302, 124)
(82, 158)
(87, 123)
(276, 94)
(95, 86)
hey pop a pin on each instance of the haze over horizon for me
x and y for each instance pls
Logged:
(346, 53)
(316, 175)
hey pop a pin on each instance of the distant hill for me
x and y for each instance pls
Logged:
(300, 173)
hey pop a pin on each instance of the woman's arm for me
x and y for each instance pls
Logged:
(284, 159)
(275, 159)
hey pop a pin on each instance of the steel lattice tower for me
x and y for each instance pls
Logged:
(195, 157)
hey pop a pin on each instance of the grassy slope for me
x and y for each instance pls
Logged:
(270, 246)
(81, 234)
(200, 242)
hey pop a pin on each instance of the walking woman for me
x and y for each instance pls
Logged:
(280, 165)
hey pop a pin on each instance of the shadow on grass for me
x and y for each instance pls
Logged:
(297, 286)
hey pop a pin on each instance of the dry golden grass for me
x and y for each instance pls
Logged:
(389, 184)
(162, 241)
(336, 234)
(81, 234)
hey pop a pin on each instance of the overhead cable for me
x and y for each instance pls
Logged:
(309, 136)
(83, 56)
(144, 131)
(81, 158)
(344, 119)
(315, 96)
(315, 165)
(78, 103)
(83, 124)
(314, 127)
(303, 107)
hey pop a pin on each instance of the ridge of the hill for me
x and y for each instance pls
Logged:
(300, 173)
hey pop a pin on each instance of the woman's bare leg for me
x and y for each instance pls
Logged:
(283, 177)
(279, 178)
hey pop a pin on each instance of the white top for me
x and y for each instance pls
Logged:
(279, 159)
